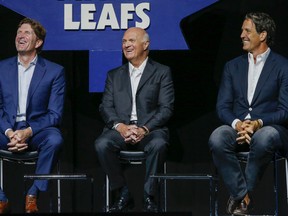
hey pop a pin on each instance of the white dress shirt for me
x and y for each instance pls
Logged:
(135, 76)
(24, 79)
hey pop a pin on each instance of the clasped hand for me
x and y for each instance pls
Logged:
(18, 140)
(131, 133)
(245, 130)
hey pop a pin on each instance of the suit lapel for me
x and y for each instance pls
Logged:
(243, 76)
(147, 73)
(38, 74)
(13, 79)
(125, 79)
(267, 68)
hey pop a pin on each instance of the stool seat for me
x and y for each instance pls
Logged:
(19, 156)
(132, 155)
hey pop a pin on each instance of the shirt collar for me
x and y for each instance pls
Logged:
(260, 57)
(141, 67)
(33, 62)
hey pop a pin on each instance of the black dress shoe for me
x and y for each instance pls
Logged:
(232, 205)
(123, 204)
(150, 205)
(244, 208)
(124, 201)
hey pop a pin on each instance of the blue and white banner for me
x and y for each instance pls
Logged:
(98, 26)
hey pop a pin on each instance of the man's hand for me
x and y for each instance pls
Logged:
(131, 133)
(137, 135)
(18, 139)
(243, 137)
(22, 135)
(246, 129)
(15, 146)
(125, 131)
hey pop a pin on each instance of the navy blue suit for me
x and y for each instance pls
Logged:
(44, 110)
(269, 103)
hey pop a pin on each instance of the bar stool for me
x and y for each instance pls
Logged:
(126, 158)
(243, 157)
(30, 158)
(213, 180)
(25, 158)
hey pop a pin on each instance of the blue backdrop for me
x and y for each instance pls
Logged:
(98, 26)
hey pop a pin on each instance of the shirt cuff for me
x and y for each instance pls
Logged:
(115, 126)
(233, 125)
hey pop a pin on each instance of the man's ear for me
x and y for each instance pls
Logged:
(146, 45)
(263, 36)
(38, 43)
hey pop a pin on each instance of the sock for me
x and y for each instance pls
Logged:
(33, 190)
(3, 196)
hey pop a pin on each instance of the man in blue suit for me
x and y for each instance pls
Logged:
(137, 103)
(31, 105)
(253, 105)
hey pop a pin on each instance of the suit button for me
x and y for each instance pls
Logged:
(250, 109)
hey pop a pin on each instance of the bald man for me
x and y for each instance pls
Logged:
(137, 103)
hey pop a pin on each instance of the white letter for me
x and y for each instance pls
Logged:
(108, 18)
(86, 16)
(125, 16)
(144, 17)
(68, 17)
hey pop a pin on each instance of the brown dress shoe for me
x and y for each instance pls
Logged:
(4, 207)
(31, 204)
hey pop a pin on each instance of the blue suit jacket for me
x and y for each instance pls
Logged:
(270, 100)
(45, 100)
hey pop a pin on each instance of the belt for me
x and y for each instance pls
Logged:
(134, 122)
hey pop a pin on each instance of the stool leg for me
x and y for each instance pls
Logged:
(107, 194)
(59, 195)
(58, 189)
(286, 170)
(1, 173)
(165, 188)
(92, 194)
(276, 185)
(211, 197)
(215, 196)
(51, 198)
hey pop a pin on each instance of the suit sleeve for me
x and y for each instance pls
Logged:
(225, 99)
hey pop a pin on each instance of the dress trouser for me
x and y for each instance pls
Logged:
(264, 143)
(109, 144)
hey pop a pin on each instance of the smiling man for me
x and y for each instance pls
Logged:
(137, 103)
(31, 105)
(253, 106)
